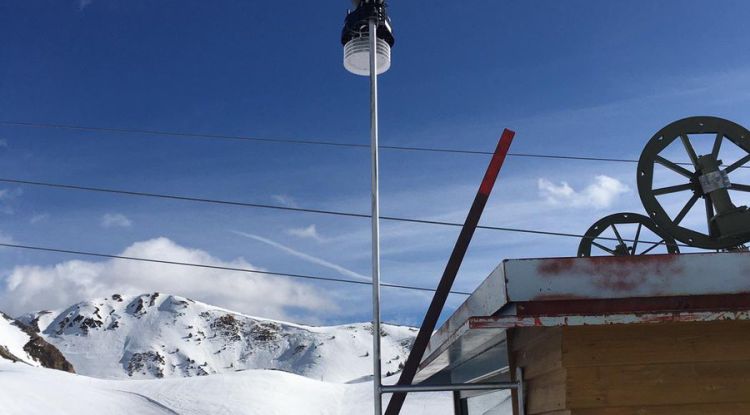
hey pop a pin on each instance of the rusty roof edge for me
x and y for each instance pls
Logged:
(514, 321)
(601, 306)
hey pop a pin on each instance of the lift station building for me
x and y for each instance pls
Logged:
(615, 335)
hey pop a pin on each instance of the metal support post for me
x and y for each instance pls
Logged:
(375, 207)
(520, 392)
(450, 272)
(457, 404)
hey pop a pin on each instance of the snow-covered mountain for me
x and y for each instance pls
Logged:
(19, 343)
(165, 336)
(129, 340)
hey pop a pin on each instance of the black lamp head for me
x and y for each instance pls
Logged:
(357, 20)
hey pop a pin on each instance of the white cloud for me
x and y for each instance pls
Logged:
(285, 200)
(7, 194)
(600, 194)
(7, 197)
(306, 257)
(6, 239)
(309, 232)
(39, 218)
(29, 288)
(115, 220)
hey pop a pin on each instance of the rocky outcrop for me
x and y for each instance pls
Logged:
(146, 363)
(36, 350)
(46, 354)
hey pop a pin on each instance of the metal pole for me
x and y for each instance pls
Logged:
(448, 388)
(375, 207)
(450, 272)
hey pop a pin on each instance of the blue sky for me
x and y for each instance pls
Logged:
(579, 78)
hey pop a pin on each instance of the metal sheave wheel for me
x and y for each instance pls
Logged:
(686, 175)
(631, 234)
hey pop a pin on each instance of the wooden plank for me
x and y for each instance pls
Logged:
(528, 336)
(542, 357)
(538, 351)
(532, 348)
(546, 393)
(736, 408)
(664, 384)
(654, 344)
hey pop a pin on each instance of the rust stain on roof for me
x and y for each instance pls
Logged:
(614, 273)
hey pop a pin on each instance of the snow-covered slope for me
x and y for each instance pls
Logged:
(158, 335)
(129, 341)
(12, 341)
(34, 391)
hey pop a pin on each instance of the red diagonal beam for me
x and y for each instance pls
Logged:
(450, 272)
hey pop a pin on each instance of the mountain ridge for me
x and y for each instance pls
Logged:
(160, 335)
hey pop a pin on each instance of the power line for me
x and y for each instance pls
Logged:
(179, 134)
(288, 208)
(183, 198)
(162, 133)
(218, 267)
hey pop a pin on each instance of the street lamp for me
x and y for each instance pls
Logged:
(355, 37)
(367, 39)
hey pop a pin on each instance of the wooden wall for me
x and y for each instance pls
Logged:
(538, 351)
(639, 369)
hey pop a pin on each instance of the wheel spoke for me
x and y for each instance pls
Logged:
(617, 234)
(740, 187)
(689, 148)
(709, 214)
(689, 205)
(717, 145)
(637, 235)
(674, 167)
(672, 189)
(737, 164)
(651, 247)
(602, 247)
(672, 246)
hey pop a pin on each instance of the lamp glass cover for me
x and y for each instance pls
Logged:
(357, 56)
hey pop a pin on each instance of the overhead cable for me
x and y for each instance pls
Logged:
(179, 134)
(288, 208)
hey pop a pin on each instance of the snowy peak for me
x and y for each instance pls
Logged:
(158, 335)
(104, 314)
